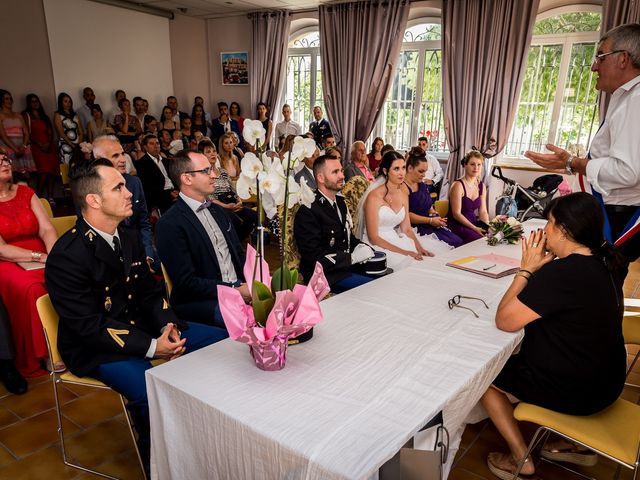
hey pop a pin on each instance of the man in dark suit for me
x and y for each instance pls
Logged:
(323, 232)
(113, 317)
(109, 147)
(306, 171)
(319, 127)
(197, 243)
(223, 124)
(152, 172)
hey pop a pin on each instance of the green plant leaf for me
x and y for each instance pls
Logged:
(262, 302)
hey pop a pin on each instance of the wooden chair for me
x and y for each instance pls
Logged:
(353, 191)
(442, 207)
(49, 319)
(613, 433)
(631, 329)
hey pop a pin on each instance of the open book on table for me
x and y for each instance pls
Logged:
(489, 265)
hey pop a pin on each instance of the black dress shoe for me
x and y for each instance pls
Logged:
(11, 378)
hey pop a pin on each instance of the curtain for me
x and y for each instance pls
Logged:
(614, 14)
(360, 46)
(267, 67)
(484, 49)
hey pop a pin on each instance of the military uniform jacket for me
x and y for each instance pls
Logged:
(322, 237)
(319, 130)
(109, 309)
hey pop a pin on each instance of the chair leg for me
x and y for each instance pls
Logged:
(133, 436)
(540, 434)
(635, 359)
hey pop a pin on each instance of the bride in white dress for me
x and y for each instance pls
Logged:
(386, 226)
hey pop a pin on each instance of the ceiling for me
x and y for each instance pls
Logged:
(218, 8)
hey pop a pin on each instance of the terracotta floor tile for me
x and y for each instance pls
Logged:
(7, 417)
(34, 433)
(92, 409)
(5, 456)
(124, 467)
(99, 443)
(38, 399)
(45, 464)
(79, 390)
(461, 474)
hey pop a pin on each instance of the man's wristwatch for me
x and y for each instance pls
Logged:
(567, 167)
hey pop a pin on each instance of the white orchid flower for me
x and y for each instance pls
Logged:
(273, 184)
(253, 131)
(303, 148)
(245, 186)
(295, 192)
(307, 196)
(511, 221)
(251, 165)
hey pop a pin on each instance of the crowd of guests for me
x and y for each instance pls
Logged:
(150, 190)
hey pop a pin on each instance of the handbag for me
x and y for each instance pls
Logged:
(227, 197)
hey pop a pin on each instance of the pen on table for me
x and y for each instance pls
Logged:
(489, 268)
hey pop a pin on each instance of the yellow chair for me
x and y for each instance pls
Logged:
(613, 433)
(167, 280)
(64, 175)
(49, 319)
(47, 207)
(631, 328)
(353, 191)
(62, 224)
(290, 250)
(442, 207)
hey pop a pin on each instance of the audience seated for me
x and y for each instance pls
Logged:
(306, 171)
(328, 141)
(235, 113)
(97, 126)
(186, 127)
(200, 101)
(386, 223)
(287, 126)
(14, 136)
(167, 122)
(223, 124)
(152, 171)
(126, 126)
(228, 159)
(119, 95)
(468, 217)
(139, 111)
(375, 155)
(319, 127)
(178, 116)
(68, 128)
(151, 124)
(198, 120)
(42, 146)
(434, 174)
(358, 164)
(197, 243)
(323, 232)
(572, 359)
(113, 317)
(109, 148)
(421, 212)
(244, 219)
(26, 235)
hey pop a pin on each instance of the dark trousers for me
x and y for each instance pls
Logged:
(127, 378)
(352, 281)
(6, 340)
(618, 219)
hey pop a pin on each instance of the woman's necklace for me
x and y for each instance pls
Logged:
(7, 193)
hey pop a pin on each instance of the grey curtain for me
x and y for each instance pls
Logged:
(484, 50)
(616, 13)
(360, 46)
(268, 63)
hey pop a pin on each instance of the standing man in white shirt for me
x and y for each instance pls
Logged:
(434, 174)
(288, 126)
(612, 167)
(84, 112)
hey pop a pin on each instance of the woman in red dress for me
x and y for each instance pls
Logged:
(26, 235)
(42, 145)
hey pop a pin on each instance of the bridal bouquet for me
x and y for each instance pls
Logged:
(503, 229)
(280, 308)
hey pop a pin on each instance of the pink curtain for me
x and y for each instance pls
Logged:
(360, 46)
(484, 49)
(267, 66)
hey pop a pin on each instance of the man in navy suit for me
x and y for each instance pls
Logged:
(223, 124)
(197, 243)
(152, 172)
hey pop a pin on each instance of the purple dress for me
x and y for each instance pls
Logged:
(468, 210)
(420, 203)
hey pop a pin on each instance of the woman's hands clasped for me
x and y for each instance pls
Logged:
(534, 253)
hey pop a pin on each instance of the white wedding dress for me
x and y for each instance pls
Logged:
(388, 223)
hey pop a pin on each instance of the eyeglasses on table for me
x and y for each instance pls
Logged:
(455, 302)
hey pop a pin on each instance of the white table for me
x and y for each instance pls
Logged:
(387, 357)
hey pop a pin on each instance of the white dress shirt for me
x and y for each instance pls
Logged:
(220, 247)
(287, 128)
(434, 172)
(614, 167)
(84, 114)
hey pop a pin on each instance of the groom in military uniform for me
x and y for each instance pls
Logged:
(323, 232)
(113, 317)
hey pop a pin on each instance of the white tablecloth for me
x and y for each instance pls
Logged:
(387, 357)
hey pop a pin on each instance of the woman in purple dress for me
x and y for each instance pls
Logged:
(421, 212)
(468, 216)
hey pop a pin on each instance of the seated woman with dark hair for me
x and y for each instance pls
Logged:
(421, 212)
(572, 359)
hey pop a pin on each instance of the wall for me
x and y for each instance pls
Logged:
(232, 34)
(190, 61)
(26, 64)
(107, 48)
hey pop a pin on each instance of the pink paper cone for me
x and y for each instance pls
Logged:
(272, 356)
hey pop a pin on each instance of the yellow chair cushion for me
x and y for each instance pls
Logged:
(614, 431)
(47, 207)
(290, 249)
(442, 207)
(68, 377)
(62, 224)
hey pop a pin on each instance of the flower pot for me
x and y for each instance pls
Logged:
(270, 356)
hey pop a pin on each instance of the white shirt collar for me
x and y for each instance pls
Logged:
(630, 84)
(106, 236)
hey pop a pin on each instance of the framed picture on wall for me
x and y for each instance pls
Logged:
(235, 68)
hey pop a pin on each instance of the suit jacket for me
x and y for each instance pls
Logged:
(140, 218)
(187, 253)
(153, 182)
(308, 176)
(217, 130)
(109, 310)
(322, 237)
(319, 130)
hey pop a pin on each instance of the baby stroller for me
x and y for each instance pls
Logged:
(524, 203)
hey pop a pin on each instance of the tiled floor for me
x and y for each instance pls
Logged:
(97, 434)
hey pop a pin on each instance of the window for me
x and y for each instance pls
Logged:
(558, 101)
(303, 89)
(414, 105)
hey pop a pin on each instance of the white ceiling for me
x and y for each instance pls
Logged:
(218, 8)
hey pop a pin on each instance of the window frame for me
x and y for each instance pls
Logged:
(314, 54)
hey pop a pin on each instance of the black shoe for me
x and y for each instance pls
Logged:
(11, 378)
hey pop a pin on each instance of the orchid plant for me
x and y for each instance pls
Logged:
(271, 181)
